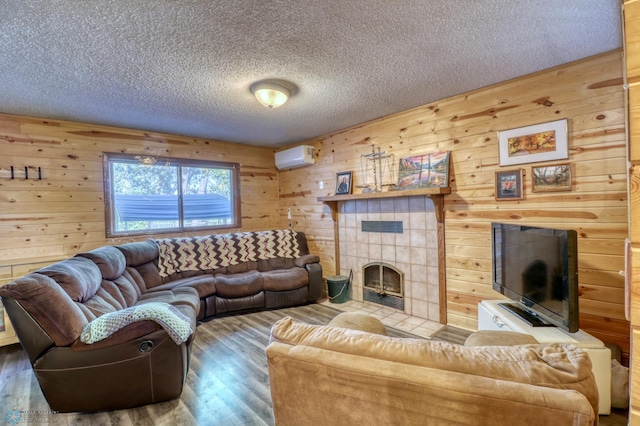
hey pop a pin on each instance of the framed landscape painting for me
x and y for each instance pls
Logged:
(551, 178)
(532, 144)
(509, 185)
(424, 171)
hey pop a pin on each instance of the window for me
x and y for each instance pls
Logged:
(151, 195)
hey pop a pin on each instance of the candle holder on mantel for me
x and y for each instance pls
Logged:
(377, 170)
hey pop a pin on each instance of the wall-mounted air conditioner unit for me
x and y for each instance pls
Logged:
(298, 156)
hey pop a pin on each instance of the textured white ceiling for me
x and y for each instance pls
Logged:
(185, 67)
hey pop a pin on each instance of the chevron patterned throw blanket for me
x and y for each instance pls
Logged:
(217, 251)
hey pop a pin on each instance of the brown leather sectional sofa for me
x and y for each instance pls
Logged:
(263, 283)
(139, 363)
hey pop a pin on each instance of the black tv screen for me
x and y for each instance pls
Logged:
(538, 268)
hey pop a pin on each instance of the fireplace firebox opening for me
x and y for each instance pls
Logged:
(383, 284)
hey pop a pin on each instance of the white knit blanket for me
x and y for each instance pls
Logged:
(174, 322)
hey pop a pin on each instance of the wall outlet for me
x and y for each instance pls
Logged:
(321, 185)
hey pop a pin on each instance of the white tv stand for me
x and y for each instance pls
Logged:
(493, 317)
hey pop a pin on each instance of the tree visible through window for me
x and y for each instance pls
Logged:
(153, 194)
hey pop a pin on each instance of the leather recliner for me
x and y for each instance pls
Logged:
(137, 365)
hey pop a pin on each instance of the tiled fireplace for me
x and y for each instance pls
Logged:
(406, 238)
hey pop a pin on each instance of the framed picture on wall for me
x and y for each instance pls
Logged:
(551, 178)
(343, 183)
(532, 144)
(424, 171)
(509, 185)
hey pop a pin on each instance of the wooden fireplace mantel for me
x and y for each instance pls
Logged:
(436, 194)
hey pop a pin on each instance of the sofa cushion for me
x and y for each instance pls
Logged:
(554, 365)
(203, 284)
(141, 259)
(78, 276)
(239, 285)
(178, 296)
(275, 263)
(107, 299)
(51, 307)
(139, 253)
(301, 241)
(241, 267)
(285, 279)
(109, 260)
(146, 276)
(128, 288)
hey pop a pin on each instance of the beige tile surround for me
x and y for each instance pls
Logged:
(414, 252)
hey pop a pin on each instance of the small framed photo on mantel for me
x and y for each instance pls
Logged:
(509, 185)
(343, 183)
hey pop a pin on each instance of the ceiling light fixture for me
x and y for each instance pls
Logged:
(273, 93)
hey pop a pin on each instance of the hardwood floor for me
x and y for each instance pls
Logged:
(227, 383)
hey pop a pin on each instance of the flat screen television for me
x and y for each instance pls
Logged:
(537, 268)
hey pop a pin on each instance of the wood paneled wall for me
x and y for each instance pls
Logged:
(42, 221)
(631, 11)
(589, 93)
